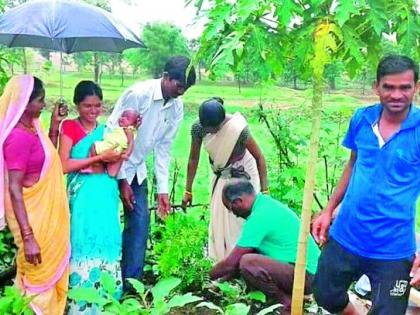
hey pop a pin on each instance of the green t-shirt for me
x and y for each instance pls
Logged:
(272, 229)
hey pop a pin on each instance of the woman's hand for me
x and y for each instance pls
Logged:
(110, 156)
(58, 114)
(187, 200)
(126, 195)
(32, 250)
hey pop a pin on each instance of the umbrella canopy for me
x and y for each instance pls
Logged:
(65, 25)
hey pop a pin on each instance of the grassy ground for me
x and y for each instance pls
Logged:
(245, 101)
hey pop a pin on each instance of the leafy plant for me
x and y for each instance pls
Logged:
(237, 308)
(157, 300)
(180, 250)
(12, 302)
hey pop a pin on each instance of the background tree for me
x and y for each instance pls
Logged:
(163, 40)
(312, 33)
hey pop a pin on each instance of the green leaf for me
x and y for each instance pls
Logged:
(227, 289)
(108, 283)
(211, 306)
(344, 11)
(285, 10)
(377, 16)
(89, 295)
(131, 305)
(162, 289)
(269, 309)
(257, 296)
(237, 309)
(138, 286)
(246, 7)
(181, 300)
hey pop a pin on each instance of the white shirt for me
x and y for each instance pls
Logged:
(157, 131)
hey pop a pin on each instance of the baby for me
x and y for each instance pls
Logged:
(119, 139)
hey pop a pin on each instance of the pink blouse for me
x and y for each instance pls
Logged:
(23, 151)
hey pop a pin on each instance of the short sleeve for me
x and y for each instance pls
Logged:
(349, 139)
(16, 155)
(197, 131)
(252, 234)
(243, 137)
(67, 128)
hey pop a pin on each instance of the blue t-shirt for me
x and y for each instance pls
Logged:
(377, 215)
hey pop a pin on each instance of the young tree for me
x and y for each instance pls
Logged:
(312, 34)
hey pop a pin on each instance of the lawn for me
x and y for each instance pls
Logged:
(246, 101)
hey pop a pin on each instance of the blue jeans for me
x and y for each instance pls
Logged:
(135, 235)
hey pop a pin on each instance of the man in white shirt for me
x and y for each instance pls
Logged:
(157, 101)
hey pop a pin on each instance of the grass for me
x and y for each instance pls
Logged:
(245, 101)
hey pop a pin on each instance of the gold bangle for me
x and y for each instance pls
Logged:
(265, 192)
(188, 192)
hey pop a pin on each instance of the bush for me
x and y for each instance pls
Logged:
(180, 252)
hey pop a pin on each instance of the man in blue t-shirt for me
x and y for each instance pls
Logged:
(374, 232)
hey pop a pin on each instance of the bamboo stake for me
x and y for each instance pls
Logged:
(300, 266)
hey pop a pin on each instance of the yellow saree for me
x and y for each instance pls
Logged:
(48, 214)
(225, 227)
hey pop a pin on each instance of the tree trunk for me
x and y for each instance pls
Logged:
(24, 61)
(331, 83)
(239, 84)
(295, 87)
(96, 67)
(122, 75)
(300, 267)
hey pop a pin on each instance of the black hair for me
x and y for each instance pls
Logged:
(236, 188)
(37, 90)
(394, 64)
(176, 68)
(86, 88)
(211, 112)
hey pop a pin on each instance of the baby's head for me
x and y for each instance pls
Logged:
(130, 117)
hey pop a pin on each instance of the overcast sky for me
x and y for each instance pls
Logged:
(174, 11)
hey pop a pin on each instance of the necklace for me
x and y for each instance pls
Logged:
(30, 128)
(86, 130)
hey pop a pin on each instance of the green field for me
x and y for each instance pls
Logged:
(246, 101)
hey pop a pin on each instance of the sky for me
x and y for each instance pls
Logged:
(174, 11)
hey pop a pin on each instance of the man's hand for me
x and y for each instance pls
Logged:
(126, 195)
(164, 206)
(320, 227)
(415, 272)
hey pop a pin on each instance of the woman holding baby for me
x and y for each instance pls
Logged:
(93, 195)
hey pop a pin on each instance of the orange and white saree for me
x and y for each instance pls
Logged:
(47, 210)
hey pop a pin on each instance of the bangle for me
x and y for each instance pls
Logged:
(265, 192)
(188, 192)
(27, 232)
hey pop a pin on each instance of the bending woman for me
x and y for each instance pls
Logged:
(232, 151)
(35, 202)
(93, 197)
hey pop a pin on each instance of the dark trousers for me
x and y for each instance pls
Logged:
(273, 278)
(338, 268)
(135, 234)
